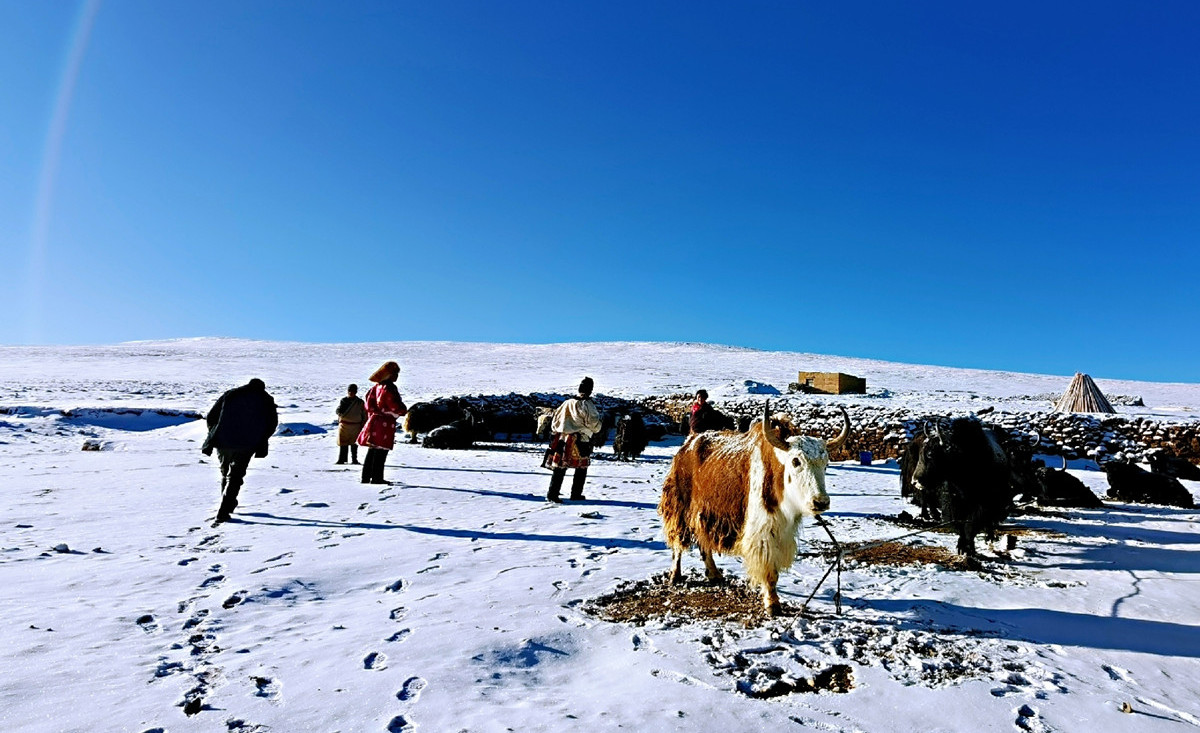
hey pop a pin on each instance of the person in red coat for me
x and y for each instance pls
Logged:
(378, 434)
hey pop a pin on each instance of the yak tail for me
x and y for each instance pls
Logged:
(673, 511)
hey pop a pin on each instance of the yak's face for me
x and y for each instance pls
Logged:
(804, 464)
(930, 461)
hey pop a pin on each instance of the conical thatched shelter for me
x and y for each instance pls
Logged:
(1083, 396)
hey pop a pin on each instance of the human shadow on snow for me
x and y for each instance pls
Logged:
(527, 537)
(539, 498)
(403, 466)
(241, 518)
(447, 532)
(1045, 626)
(541, 472)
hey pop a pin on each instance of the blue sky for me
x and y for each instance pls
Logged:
(1000, 185)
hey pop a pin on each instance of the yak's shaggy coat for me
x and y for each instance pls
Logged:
(741, 494)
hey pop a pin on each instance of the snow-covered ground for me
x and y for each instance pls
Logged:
(454, 599)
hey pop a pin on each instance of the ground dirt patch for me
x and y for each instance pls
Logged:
(695, 599)
(898, 554)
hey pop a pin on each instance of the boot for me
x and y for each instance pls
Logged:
(556, 481)
(577, 484)
(377, 468)
(368, 466)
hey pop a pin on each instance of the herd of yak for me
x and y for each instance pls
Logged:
(970, 475)
(454, 423)
(960, 471)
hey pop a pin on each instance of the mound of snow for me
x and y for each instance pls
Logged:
(749, 386)
(28, 411)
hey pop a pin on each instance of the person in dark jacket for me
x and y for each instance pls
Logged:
(702, 413)
(239, 425)
(352, 413)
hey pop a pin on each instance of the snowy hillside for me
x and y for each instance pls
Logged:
(458, 600)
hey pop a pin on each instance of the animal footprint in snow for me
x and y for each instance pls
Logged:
(426, 570)
(375, 660)
(438, 556)
(396, 586)
(400, 635)
(186, 561)
(213, 580)
(398, 613)
(1116, 674)
(400, 724)
(411, 690)
(148, 624)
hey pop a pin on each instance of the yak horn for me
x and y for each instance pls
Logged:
(769, 432)
(837, 442)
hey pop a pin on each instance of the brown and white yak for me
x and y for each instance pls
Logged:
(745, 494)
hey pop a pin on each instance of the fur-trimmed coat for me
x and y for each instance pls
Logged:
(577, 415)
(384, 407)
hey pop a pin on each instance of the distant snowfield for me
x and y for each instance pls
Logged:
(452, 600)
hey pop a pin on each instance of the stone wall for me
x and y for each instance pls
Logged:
(885, 430)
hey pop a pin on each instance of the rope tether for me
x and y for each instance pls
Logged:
(837, 560)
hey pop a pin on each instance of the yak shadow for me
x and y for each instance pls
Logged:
(1113, 531)
(1133, 557)
(1045, 626)
(1130, 513)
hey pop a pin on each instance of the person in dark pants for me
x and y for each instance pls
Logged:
(239, 425)
(352, 413)
(384, 407)
(575, 422)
